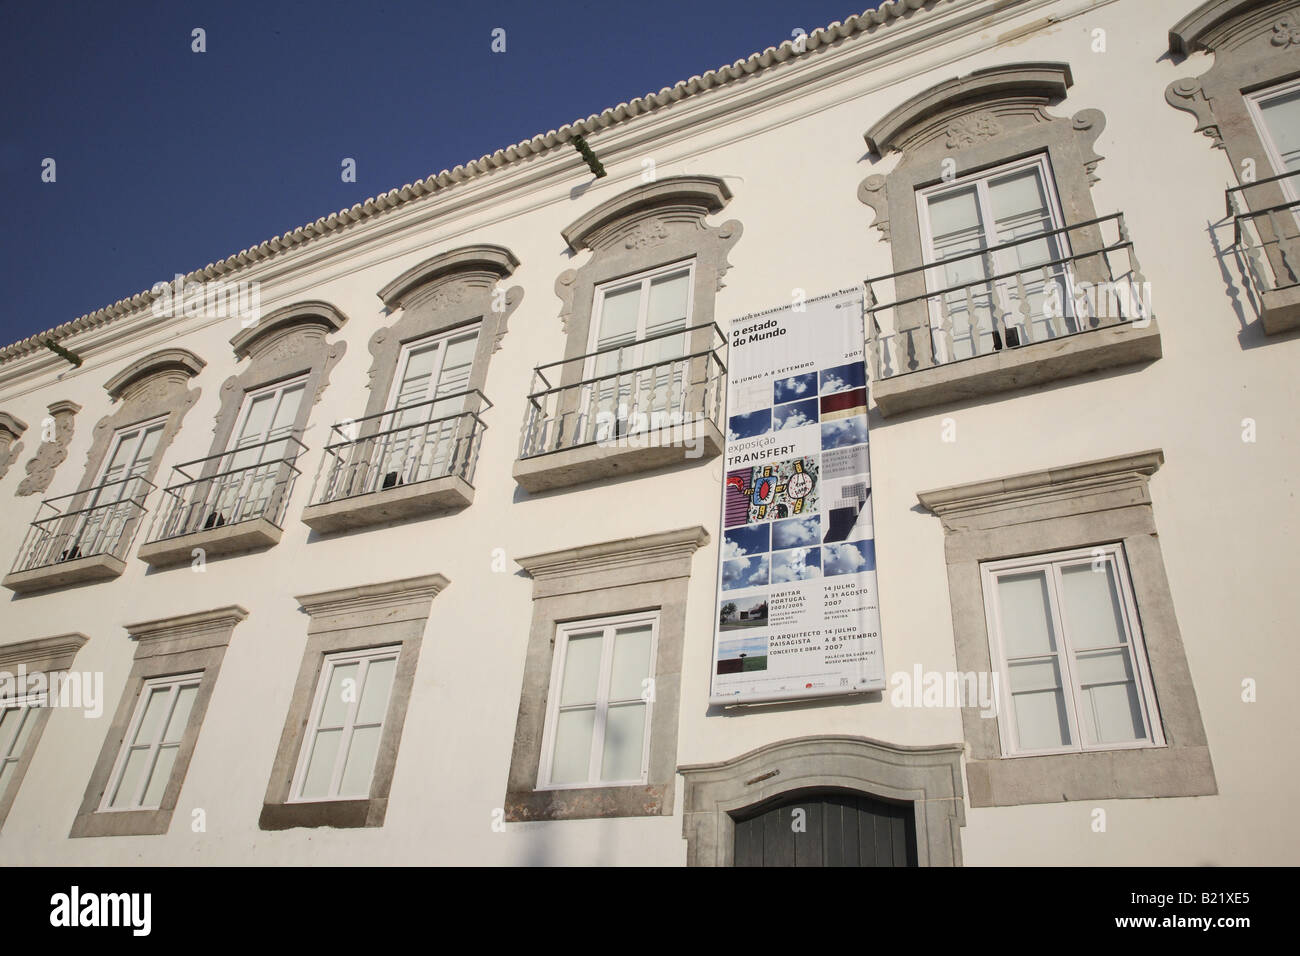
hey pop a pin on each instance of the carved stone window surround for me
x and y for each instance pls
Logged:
(370, 615)
(1254, 46)
(11, 429)
(178, 645)
(1086, 504)
(46, 655)
(616, 577)
(981, 121)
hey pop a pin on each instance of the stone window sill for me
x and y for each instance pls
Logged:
(644, 452)
(1011, 368)
(97, 567)
(228, 539)
(423, 500)
(587, 803)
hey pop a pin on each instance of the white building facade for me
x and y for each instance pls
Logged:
(353, 561)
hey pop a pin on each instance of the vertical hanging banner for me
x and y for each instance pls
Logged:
(797, 609)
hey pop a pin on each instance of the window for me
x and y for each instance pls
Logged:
(1069, 647)
(343, 729)
(632, 352)
(419, 435)
(17, 720)
(338, 757)
(251, 471)
(149, 752)
(109, 506)
(596, 730)
(1276, 113)
(1007, 205)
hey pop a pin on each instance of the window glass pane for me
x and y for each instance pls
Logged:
(162, 772)
(624, 742)
(339, 695)
(374, 697)
(631, 662)
(1111, 709)
(1282, 119)
(954, 216)
(181, 713)
(10, 718)
(132, 777)
(1039, 702)
(257, 420)
(618, 314)
(456, 366)
(286, 412)
(1026, 625)
(667, 311)
(25, 721)
(582, 668)
(154, 715)
(320, 769)
(572, 756)
(361, 762)
(418, 373)
(1090, 605)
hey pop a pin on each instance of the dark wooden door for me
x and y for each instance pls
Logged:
(839, 828)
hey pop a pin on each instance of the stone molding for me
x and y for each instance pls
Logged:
(646, 227)
(343, 619)
(603, 580)
(50, 454)
(1091, 503)
(43, 655)
(11, 448)
(441, 294)
(184, 643)
(928, 777)
(181, 360)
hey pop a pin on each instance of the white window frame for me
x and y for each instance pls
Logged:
(643, 280)
(365, 657)
(1291, 185)
(1113, 555)
(404, 358)
(97, 497)
(246, 409)
(934, 278)
(26, 705)
(609, 625)
(176, 682)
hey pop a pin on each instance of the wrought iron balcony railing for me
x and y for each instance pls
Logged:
(95, 521)
(221, 490)
(405, 446)
(1076, 278)
(1268, 236)
(669, 379)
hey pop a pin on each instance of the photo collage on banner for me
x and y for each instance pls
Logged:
(797, 607)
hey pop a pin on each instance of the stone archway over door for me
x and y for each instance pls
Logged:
(926, 780)
(826, 828)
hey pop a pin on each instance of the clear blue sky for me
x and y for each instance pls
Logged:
(168, 160)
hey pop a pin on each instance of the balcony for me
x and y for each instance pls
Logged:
(624, 409)
(982, 322)
(220, 505)
(85, 536)
(413, 462)
(1268, 240)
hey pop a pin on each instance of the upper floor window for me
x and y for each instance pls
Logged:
(1276, 112)
(1068, 646)
(599, 714)
(434, 366)
(1012, 210)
